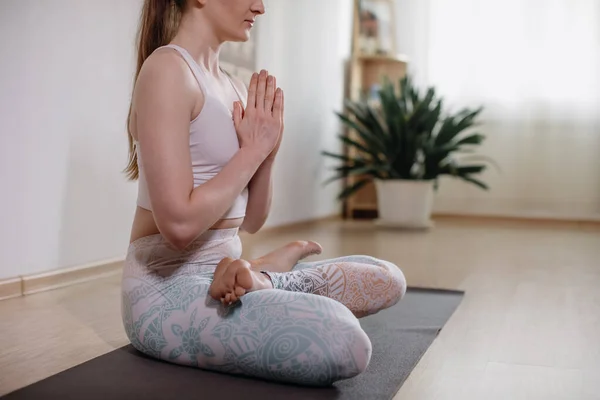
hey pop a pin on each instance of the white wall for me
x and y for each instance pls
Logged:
(304, 44)
(65, 81)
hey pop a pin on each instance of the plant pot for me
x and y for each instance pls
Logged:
(405, 203)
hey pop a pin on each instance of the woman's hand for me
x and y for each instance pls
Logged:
(273, 153)
(259, 126)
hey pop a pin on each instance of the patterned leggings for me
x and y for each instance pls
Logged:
(305, 331)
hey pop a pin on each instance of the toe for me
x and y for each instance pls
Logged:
(226, 299)
(315, 247)
(240, 291)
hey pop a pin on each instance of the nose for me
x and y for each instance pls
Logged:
(258, 7)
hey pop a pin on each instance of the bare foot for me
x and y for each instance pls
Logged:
(235, 278)
(284, 258)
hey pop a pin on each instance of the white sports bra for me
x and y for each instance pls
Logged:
(213, 140)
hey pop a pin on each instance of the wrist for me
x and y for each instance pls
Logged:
(251, 156)
(268, 161)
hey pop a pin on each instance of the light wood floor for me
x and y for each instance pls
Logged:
(528, 327)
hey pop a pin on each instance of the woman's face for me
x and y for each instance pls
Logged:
(233, 19)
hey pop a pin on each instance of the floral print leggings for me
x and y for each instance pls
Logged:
(304, 331)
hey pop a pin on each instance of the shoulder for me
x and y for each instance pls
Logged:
(164, 72)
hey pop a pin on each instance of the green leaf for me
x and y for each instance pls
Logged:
(453, 126)
(475, 182)
(342, 157)
(468, 119)
(374, 170)
(470, 169)
(379, 130)
(367, 150)
(477, 157)
(365, 133)
(333, 178)
(348, 191)
(352, 170)
(476, 138)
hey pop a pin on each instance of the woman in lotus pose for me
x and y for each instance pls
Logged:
(202, 148)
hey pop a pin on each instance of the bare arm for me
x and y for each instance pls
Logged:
(165, 98)
(260, 193)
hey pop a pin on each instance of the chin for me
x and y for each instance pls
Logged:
(242, 36)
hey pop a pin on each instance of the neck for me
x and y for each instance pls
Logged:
(197, 36)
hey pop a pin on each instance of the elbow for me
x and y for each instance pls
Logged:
(251, 228)
(248, 230)
(179, 235)
(178, 226)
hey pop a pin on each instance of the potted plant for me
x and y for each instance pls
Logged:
(404, 144)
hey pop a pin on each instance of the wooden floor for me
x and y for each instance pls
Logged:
(528, 327)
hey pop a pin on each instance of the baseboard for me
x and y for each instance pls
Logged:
(70, 276)
(10, 288)
(36, 283)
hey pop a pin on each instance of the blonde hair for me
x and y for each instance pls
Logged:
(158, 25)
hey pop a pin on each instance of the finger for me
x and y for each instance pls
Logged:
(261, 89)
(282, 106)
(275, 89)
(228, 279)
(237, 114)
(240, 291)
(278, 104)
(270, 95)
(252, 91)
(225, 299)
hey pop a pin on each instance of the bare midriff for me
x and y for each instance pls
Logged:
(144, 225)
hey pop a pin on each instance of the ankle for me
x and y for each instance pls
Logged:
(268, 278)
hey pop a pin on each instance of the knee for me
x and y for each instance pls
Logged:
(395, 277)
(361, 351)
(338, 348)
(352, 348)
(351, 356)
(398, 282)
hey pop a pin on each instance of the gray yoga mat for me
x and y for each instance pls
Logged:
(400, 336)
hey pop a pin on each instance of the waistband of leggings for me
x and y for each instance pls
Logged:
(211, 235)
(218, 234)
